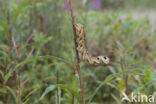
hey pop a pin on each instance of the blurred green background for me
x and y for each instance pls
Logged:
(36, 45)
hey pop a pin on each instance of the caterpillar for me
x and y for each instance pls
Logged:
(83, 50)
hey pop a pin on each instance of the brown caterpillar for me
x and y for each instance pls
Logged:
(83, 50)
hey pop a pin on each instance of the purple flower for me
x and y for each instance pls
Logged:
(46, 20)
(96, 4)
(66, 4)
(19, 2)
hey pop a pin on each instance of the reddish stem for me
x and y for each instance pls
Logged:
(57, 87)
(77, 55)
(10, 46)
(14, 45)
(73, 99)
(27, 41)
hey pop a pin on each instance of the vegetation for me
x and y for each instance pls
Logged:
(37, 56)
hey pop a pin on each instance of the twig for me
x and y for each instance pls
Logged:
(27, 41)
(77, 55)
(14, 45)
(73, 99)
(10, 46)
(125, 77)
(57, 87)
(10, 32)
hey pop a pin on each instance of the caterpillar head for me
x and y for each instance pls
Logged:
(103, 60)
(79, 27)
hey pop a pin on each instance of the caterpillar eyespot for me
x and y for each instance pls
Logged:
(83, 50)
(105, 57)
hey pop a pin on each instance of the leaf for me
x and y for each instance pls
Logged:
(70, 91)
(66, 88)
(116, 26)
(25, 102)
(48, 89)
(3, 90)
(7, 76)
(147, 74)
(75, 83)
(109, 78)
(41, 57)
(12, 92)
(1, 73)
(116, 99)
(19, 10)
(30, 93)
(4, 26)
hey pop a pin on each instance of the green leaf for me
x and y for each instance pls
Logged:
(3, 90)
(48, 89)
(75, 83)
(30, 93)
(108, 78)
(12, 92)
(116, 99)
(4, 26)
(41, 57)
(19, 10)
(29, 60)
(70, 91)
(1, 73)
(26, 101)
(7, 76)
(147, 74)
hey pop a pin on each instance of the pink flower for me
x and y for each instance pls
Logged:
(96, 4)
(46, 20)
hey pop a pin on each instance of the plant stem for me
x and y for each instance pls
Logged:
(77, 55)
(125, 77)
(73, 99)
(57, 82)
(10, 47)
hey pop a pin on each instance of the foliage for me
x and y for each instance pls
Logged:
(36, 42)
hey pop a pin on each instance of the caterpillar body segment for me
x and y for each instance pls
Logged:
(83, 50)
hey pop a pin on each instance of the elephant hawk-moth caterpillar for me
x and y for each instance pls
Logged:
(83, 50)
